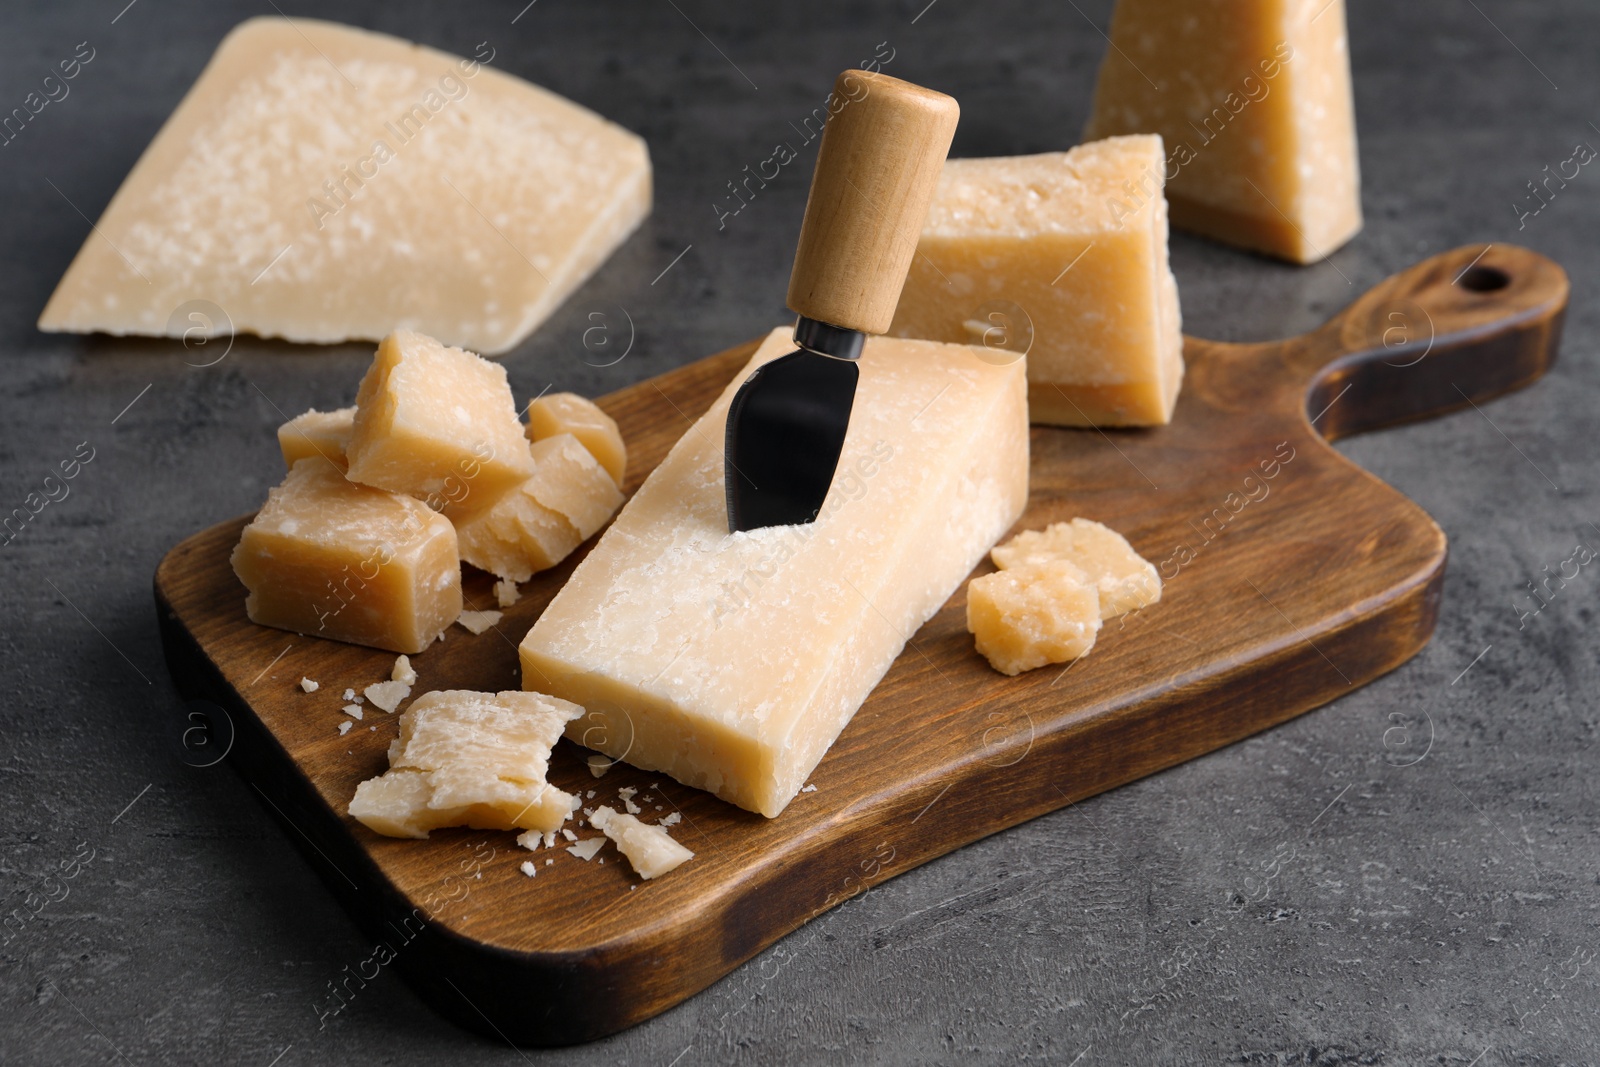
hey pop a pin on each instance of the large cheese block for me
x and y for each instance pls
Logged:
(732, 661)
(1048, 255)
(1255, 105)
(322, 183)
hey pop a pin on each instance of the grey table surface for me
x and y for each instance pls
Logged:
(1409, 875)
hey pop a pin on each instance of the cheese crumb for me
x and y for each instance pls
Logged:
(569, 835)
(349, 694)
(650, 850)
(479, 621)
(586, 849)
(673, 819)
(589, 795)
(344, 727)
(403, 671)
(627, 793)
(308, 685)
(548, 863)
(352, 710)
(528, 868)
(809, 788)
(529, 840)
(598, 766)
(506, 592)
(388, 695)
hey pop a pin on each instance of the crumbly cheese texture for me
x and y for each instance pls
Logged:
(316, 433)
(436, 422)
(469, 759)
(1034, 614)
(321, 183)
(732, 661)
(650, 850)
(327, 557)
(538, 523)
(1050, 255)
(559, 413)
(1255, 105)
(1124, 580)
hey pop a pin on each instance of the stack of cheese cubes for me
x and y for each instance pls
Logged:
(364, 540)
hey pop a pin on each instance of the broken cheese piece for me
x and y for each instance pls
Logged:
(326, 557)
(1124, 580)
(651, 851)
(437, 423)
(559, 413)
(322, 183)
(1255, 105)
(469, 759)
(1031, 615)
(732, 661)
(1052, 256)
(317, 433)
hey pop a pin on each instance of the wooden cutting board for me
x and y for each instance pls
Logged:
(1291, 577)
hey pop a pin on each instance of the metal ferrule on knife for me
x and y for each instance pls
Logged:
(836, 342)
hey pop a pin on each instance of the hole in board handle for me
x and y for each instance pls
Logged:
(1483, 279)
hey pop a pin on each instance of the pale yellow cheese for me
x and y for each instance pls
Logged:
(317, 433)
(322, 183)
(732, 661)
(651, 851)
(1255, 105)
(470, 759)
(570, 481)
(437, 423)
(1124, 579)
(559, 413)
(1052, 255)
(1034, 614)
(329, 558)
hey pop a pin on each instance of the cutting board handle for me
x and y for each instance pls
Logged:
(1453, 330)
(882, 150)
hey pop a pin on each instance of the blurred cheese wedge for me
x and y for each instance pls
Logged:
(317, 434)
(560, 413)
(536, 524)
(321, 183)
(1255, 105)
(651, 851)
(469, 759)
(437, 423)
(1034, 614)
(732, 661)
(1054, 256)
(1125, 580)
(329, 558)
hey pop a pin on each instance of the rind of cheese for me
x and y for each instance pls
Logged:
(1032, 615)
(1255, 105)
(469, 759)
(317, 434)
(1125, 580)
(558, 413)
(436, 422)
(732, 661)
(1050, 255)
(322, 183)
(651, 851)
(327, 557)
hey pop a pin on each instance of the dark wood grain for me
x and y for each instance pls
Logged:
(1295, 588)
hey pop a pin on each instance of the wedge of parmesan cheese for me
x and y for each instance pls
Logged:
(321, 183)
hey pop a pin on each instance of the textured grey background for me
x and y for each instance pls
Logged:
(1314, 895)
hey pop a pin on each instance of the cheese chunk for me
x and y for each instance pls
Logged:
(1124, 579)
(436, 422)
(321, 183)
(1255, 105)
(1032, 615)
(469, 759)
(317, 434)
(732, 661)
(538, 523)
(651, 851)
(560, 413)
(1050, 255)
(329, 558)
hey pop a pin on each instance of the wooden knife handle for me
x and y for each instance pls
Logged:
(882, 150)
